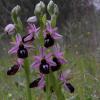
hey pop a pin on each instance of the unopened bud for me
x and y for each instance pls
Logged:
(16, 10)
(32, 19)
(42, 5)
(56, 10)
(50, 7)
(39, 8)
(10, 29)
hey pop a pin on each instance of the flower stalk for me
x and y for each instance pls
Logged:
(27, 74)
(56, 86)
(48, 85)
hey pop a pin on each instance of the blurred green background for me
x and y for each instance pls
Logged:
(79, 23)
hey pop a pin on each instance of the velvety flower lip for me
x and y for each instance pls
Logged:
(52, 31)
(39, 82)
(58, 54)
(34, 83)
(69, 87)
(16, 67)
(16, 44)
(39, 58)
(13, 70)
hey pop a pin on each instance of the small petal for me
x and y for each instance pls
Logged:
(20, 61)
(48, 27)
(42, 52)
(63, 61)
(28, 37)
(62, 78)
(56, 48)
(37, 32)
(35, 64)
(41, 83)
(66, 75)
(58, 54)
(28, 46)
(44, 34)
(18, 39)
(48, 56)
(13, 50)
(38, 58)
(56, 36)
(51, 63)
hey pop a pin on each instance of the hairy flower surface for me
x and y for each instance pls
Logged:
(43, 61)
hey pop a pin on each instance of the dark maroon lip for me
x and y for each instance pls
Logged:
(48, 41)
(44, 67)
(34, 83)
(13, 70)
(22, 52)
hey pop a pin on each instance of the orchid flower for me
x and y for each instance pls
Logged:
(16, 67)
(43, 61)
(57, 58)
(32, 33)
(39, 82)
(50, 35)
(19, 47)
(65, 77)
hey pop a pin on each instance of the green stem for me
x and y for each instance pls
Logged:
(56, 87)
(48, 85)
(27, 73)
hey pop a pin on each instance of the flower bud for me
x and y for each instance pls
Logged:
(42, 5)
(16, 10)
(32, 19)
(53, 20)
(50, 7)
(39, 8)
(10, 29)
(56, 10)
